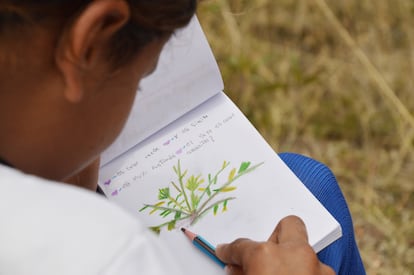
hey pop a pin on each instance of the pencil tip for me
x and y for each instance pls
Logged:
(188, 233)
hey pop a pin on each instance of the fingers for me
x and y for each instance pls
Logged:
(290, 229)
(235, 252)
(286, 252)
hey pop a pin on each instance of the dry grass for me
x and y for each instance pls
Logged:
(308, 90)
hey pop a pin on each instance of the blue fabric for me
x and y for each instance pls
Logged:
(342, 255)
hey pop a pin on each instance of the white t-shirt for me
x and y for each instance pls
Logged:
(53, 228)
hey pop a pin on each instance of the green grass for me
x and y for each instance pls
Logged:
(291, 72)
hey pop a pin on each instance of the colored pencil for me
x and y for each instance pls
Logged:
(203, 245)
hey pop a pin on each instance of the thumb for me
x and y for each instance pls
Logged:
(290, 229)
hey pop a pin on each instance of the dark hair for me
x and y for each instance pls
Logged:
(150, 19)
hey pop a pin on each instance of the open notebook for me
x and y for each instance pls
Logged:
(189, 158)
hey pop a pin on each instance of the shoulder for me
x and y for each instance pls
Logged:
(52, 228)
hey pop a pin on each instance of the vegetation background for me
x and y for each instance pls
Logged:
(306, 83)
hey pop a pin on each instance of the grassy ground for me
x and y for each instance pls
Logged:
(307, 89)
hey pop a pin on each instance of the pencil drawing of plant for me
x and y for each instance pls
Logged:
(191, 197)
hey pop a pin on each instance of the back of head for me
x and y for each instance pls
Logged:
(61, 62)
(149, 20)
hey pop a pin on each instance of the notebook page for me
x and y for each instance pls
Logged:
(187, 75)
(216, 145)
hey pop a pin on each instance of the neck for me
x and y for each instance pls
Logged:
(28, 128)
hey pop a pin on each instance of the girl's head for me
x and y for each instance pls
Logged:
(148, 20)
(69, 70)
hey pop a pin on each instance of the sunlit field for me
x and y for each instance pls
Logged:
(334, 82)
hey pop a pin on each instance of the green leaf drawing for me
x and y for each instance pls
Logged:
(227, 189)
(232, 174)
(194, 200)
(171, 225)
(243, 167)
(225, 205)
(191, 198)
(193, 183)
(156, 206)
(215, 209)
(164, 193)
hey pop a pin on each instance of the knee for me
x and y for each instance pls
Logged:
(316, 176)
(309, 170)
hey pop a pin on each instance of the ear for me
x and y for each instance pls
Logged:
(85, 42)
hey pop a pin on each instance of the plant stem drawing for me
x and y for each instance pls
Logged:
(192, 197)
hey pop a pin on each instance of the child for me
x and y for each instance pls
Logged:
(69, 70)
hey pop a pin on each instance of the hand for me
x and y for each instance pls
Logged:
(286, 252)
(86, 178)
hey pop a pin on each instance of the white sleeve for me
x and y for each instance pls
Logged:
(51, 228)
(144, 254)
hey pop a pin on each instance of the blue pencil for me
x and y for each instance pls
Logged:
(203, 246)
